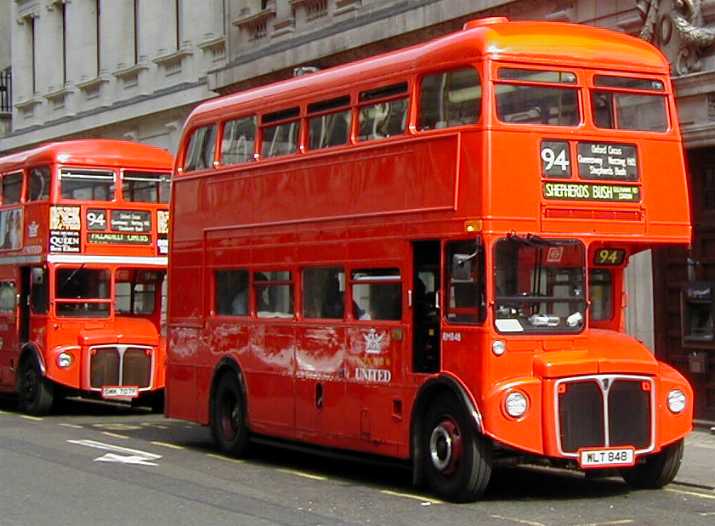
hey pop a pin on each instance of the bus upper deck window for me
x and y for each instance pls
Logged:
(387, 116)
(638, 110)
(146, 187)
(239, 141)
(450, 98)
(87, 186)
(11, 188)
(283, 135)
(39, 184)
(330, 123)
(200, 151)
(538, 97)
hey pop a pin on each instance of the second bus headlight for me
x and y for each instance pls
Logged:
(516, 404)
(64, 360)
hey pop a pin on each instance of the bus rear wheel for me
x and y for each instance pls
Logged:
(658, 470)
(35, 393)
(457, 461)
(228, 416)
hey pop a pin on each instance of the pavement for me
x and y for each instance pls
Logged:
(698, 467)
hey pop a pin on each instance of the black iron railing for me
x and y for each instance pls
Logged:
(6, 90)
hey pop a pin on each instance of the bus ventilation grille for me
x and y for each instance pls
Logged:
(583, 413)
(120, 366)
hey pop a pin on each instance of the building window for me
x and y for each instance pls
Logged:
(178, 19)
(63, 36)
(98, 35)
(33, 52)
(135, 30)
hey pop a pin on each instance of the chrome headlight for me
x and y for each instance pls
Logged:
(676, 401)
(64, 360)
(516, 404)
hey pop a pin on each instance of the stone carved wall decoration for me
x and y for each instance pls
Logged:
(685, 19)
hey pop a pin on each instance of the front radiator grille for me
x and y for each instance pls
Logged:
(120, 365)
(104, 366)
(604, 411)
(629, 414)
(136, 368)
(581, 416)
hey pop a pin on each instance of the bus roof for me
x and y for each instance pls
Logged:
(548, 43)
(95, 152)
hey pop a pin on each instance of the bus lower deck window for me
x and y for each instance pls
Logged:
(323, 293)
(274, 294)
(377, 294)
(231, 292)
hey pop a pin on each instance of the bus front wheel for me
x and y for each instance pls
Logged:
(457, 460)
(228, 416)
(35, 393)
(657, 470)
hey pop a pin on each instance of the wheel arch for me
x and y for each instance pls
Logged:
(428, 392)
(228, 365)
(29, 351)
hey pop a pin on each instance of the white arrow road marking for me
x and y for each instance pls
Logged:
(125, 456)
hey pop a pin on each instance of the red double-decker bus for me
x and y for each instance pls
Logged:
(421, 255)
(83, 254)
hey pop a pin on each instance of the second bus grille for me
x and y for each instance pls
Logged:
(111, 366)
(585, 420)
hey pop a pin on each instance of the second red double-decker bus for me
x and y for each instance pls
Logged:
(421, 255)
(83, 254)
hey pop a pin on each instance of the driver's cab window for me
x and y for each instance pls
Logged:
(137, 291)
(464, 279)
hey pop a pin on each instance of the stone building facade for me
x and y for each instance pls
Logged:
(129, 69)
(5, 71)
(135, 68)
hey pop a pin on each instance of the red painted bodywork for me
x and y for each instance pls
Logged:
(361, 205)
(50, 334)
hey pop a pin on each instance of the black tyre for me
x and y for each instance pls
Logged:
(35, 393)
(228, 416)
(658, 470)
(457, 460)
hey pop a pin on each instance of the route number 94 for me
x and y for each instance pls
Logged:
(609, 256)
(555, 159)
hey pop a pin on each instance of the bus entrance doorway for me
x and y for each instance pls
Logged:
(425, 307)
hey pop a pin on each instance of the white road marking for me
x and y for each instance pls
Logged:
(73, 426)
(411, 496)
(303, 474)
(119, 454)
(227, 459)
(166, 444)
(692, 493)
(33, 418)
(518, 521)
(609, 523)
(115, 435)
(707, 513)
